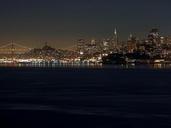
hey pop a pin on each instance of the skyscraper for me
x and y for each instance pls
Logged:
(114, 41)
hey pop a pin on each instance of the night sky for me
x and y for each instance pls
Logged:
(61, 23)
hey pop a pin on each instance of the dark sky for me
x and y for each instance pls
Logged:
(61, 23)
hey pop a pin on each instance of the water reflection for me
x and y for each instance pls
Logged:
(61, 65)
(51, 65)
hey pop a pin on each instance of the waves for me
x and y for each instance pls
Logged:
(100, 96)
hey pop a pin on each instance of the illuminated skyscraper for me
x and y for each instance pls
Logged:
(81, 46)
(131, 43)
(154, 37)
(114, 41)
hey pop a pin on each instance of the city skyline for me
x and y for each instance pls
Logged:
(61, 23)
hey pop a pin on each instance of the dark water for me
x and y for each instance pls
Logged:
(85, 97)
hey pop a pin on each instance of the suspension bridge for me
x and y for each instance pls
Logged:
(13, 48)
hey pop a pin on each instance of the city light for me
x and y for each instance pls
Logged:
(152, 49)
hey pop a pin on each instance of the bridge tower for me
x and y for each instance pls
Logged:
(12, 50)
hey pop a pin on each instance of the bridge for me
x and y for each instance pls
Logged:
(13, 48)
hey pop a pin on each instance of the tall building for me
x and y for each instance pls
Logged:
(154, 37)
(154, 43)
(114, 41)
(81, 46)
(92, 47)
(167, 40)
(131, 43)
